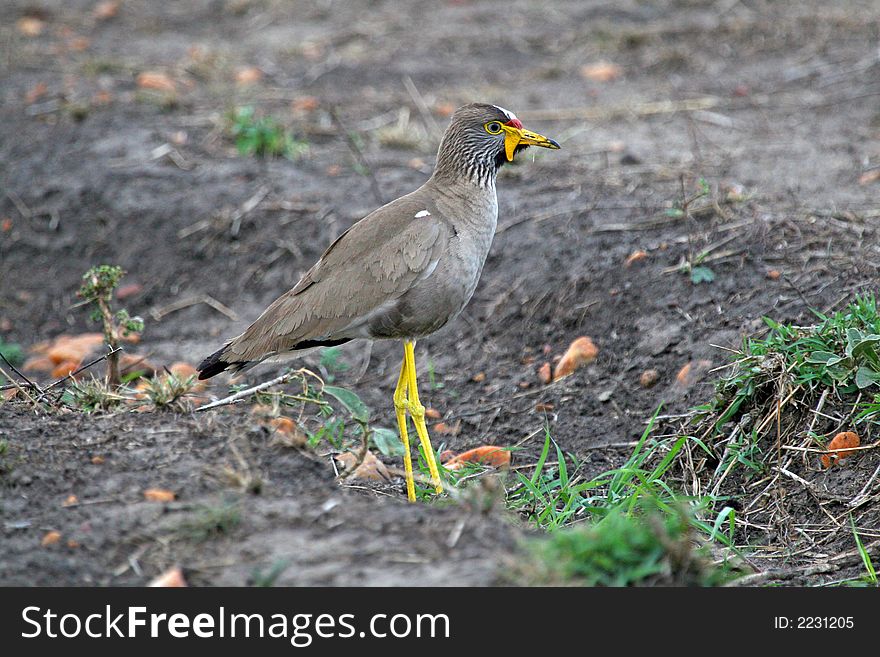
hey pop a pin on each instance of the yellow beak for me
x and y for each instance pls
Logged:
(515, 136)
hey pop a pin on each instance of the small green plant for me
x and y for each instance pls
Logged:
(93, 395)
(331, 364)
(13, 353)
(642, 546)
(263, 136)
(870, 573)
(267, 578)
(97, 289)
(210, 522)
(693, 265)
(168, 392)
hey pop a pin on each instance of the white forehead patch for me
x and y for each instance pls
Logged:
(510, 115)
(422, 213)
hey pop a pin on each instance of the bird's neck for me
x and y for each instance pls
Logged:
(459, 168)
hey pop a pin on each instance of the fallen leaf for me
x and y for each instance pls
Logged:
(442, 427)
(97, 460)
(842, 440)
(105, 10)
(159, 495)
(248, 75)
(479, 377)
(304, 104)
(601, 71)
(544, 374)
(63, 369)
(171, 578)
(288, 432)
(543, 407)
(432, 413)
(635, 256)
(869, 177)
(492, 455)
(38, 364)
(580, 352)
(70, 500)
(125, 291)
(72, 543)
(102, 97)
(50, 538)
(70, 348)
(36, 92)
(79, 44)
(443, 108)
(333, 170)
(30, 26)
(156, 81)
(692, 372)
(648, 378)
(773, 274)
(446, 455)
(371, 469)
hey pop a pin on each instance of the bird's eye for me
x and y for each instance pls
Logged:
(493, 127)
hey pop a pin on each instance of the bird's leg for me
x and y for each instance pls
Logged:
(417, 411)
(400, 406)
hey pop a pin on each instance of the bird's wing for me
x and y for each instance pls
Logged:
(371, 264)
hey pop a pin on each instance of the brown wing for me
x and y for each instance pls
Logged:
(371, 264)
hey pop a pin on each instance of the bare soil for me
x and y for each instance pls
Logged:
(775, 105)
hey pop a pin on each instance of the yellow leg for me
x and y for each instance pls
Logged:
(417, 411)
(400, 406)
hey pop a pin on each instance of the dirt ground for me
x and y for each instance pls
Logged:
(775, 105)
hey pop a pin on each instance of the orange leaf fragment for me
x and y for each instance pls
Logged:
(491, 455)
(544, 374)
(97, 459)
(442, 427)
(65, 368)
(432, 414)
(304, 104)
(580, 352)
(869, 177)
(159, 495)
(845, 439)
(635, 256)
(50, 538)
(105, 10)
(648, 378)
(156, 81)
(70, 501)
(601, 71)
(30, 26)
(370, 469)
(36, 92)
(171, 578)
(248, 75)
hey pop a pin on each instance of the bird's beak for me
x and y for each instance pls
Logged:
(520, 136)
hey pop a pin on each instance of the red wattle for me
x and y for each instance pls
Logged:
(515, 123)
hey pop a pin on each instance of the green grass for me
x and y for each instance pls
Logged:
(210, 522)
(263, 136)
(645, 545)
(841, 351)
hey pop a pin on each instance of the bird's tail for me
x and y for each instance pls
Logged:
(217, 362)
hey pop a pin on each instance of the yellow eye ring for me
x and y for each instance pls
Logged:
(493, 128)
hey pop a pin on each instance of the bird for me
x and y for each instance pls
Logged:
(402, 272)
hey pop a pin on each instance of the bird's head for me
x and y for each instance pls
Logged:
(480, 138)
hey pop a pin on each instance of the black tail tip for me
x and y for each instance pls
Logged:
(214, 364)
